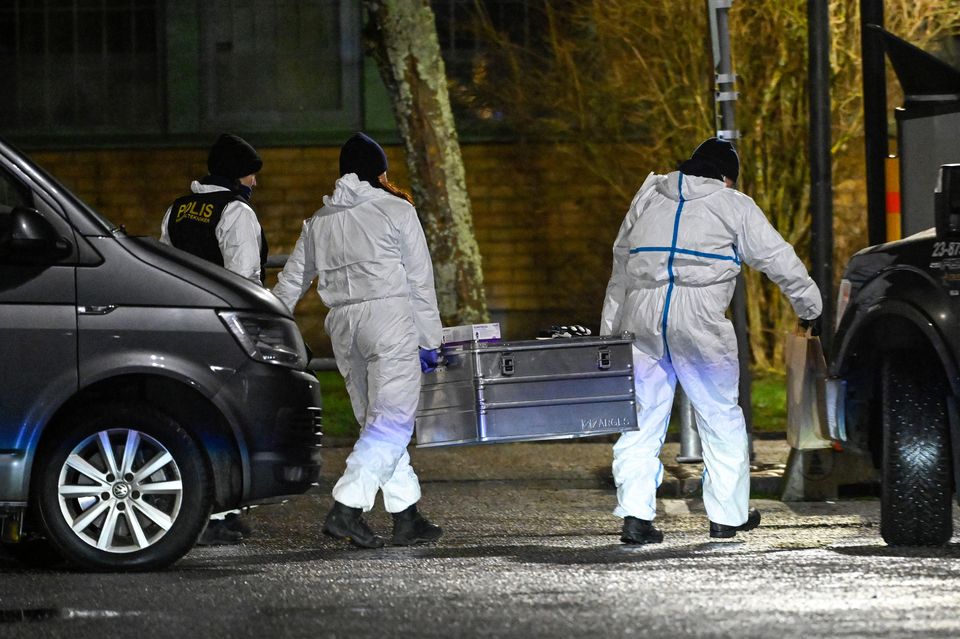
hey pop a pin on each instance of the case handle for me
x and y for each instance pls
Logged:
(603, 359)
(506, 364)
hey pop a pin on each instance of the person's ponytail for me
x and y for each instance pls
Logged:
(388, 186)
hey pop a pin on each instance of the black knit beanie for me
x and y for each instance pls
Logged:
(701, 168)
(232, 157)
(362, 155)
(721, 155)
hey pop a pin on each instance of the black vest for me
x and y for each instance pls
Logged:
(192, 226)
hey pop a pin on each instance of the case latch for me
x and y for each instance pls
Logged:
(603, 359)
(506, 364)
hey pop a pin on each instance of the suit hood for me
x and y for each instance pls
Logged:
(350, 191)
(694, 186)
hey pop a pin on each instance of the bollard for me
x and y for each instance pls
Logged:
(690, 450)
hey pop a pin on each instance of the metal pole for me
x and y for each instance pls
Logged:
(691, 452)
(874, 118)
(821, 190)
(726, 97)
(725, 94)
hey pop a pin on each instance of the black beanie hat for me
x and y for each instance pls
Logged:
(700, 167)
(362, 155)
(721, 154)
(232, 157)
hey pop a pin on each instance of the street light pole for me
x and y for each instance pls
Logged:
(821, 175)
(726, 97)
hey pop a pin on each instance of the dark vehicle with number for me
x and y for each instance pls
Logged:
(140, 387)
(894, 374)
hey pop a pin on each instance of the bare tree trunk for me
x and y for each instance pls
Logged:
(403, 38)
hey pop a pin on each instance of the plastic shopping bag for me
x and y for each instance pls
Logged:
(806, 393)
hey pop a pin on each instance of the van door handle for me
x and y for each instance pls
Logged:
(96, 310)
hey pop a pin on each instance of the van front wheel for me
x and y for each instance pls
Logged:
(124, 487)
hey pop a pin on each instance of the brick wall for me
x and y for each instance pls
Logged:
(544, 231)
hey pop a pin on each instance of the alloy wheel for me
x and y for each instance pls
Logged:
(120, 490)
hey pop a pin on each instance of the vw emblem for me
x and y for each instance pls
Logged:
(121, 490)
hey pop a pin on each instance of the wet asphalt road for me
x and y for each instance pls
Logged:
(521, 558)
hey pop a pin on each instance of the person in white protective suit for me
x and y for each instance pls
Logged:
(216, 222)
(675, 263)
(367, 251)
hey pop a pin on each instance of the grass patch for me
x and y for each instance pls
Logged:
(769, 405)
(769, 400)
(338, 419)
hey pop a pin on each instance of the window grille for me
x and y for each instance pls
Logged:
(80, 65)
(280, 64)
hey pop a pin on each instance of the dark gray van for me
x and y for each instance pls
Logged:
(140, 387)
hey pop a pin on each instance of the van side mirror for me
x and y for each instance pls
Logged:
(26, 236)
(946, 202)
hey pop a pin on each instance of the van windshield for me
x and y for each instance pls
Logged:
(97, 217)
(112, 228)
(47, 188)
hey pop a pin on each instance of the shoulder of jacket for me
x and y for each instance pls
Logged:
(319, 214)
(736, 196)
(393, 207)
(735, 200)
(394, 202)
(237, 210)
(239, 206)
(647, 188)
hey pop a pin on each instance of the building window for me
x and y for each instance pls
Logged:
(281, 65)
(80, 66)
(177, 71)
(169, 71)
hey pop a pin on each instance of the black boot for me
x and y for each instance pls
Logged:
(344, 522)
(218, 534)
(640, 531)
(410, 527)
(238, 523)
(722, 531)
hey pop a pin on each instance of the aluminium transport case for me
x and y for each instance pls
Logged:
(528, 390)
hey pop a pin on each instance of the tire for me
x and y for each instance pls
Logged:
(917, 482)
(142, 510)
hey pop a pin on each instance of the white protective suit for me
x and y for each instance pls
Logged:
(367, 250)
(675, 263)
(238, 234)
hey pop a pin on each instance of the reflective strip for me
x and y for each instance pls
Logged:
(666, 249)
(673, 249)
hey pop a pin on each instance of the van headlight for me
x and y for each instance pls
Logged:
(267, 338)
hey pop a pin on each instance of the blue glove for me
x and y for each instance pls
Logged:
(429, 359)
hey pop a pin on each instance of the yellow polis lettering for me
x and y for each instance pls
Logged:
(182, 211)
(190, 211)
